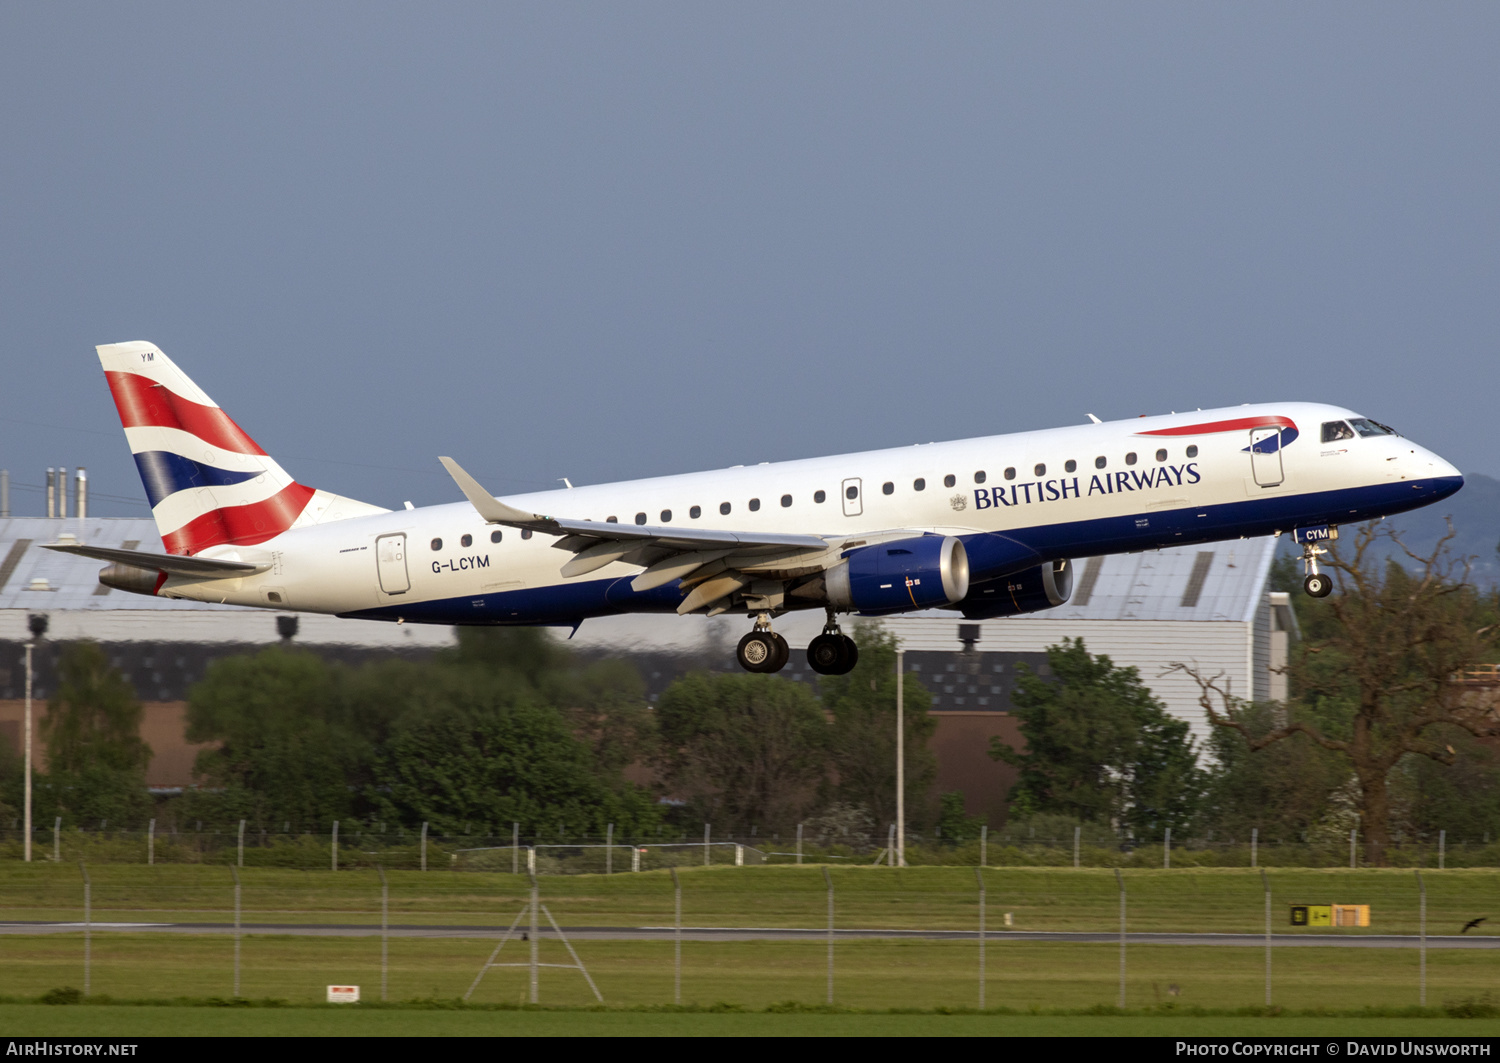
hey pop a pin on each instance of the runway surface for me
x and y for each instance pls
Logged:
(717, 933)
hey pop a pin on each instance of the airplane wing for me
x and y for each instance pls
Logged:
(712, 565)
(175, 564)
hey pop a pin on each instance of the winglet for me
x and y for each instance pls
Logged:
(490, 508)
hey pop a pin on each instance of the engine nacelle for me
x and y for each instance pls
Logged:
(925, 572)
(132, 579)
(1043, 587)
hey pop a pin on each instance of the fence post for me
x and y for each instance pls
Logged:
(515, 850)
(1254, 843)
(1266, 882)
(984, 848)
(1353, 834)
(531, 859)
(799, 843)
(385, 931)
(706, 831)
(1442, 848)
(1077, 837)
(1422, 948)
(242, 843)
(609, 850)
(1166, 850)
(979, 874)
(890, 846)
(829, 879)
(335, 845)
(535, 898)
(1120, 879)
(676, 938)
(235, 872)
(635, 857)
(151, 843)
(424, 845)
(739, 855)
(57, 840)
(88, 926)
(900, 768)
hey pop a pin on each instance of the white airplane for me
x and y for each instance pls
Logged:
(985, 526)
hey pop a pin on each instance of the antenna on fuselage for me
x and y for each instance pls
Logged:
(1095, 419)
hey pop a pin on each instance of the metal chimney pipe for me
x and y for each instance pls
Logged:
(51, 493)
(83, 492)
(62, 491)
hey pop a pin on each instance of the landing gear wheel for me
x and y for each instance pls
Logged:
(757, 652)
(826, 653)
(851, 655)
(783, 654)
(1317, 585)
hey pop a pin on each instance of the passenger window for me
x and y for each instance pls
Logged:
(526, 533)
(1040, 470)
(1333, 431)
(1161, 455)
(786, 501)
(887, 488)
(1070, 465)
(1130, 458)
(1100, 462)
(979, 477)
(467, 540)
(1192, 450)
(611, 520)
(919, 484)
(724, 508)
(1010, 474)
(495, 536)
(696, 512)
(666, 516)
(949, 480)
(640, 518)
(820, 497)
(437, 544)
(755, 505)
(851, 492)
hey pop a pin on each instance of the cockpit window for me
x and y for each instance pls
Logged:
(1333, 431)
(1366, 427)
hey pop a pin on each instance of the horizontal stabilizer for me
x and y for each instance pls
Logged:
(174, 564)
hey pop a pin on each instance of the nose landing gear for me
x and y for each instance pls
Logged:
(762, 650)
(1317, 584)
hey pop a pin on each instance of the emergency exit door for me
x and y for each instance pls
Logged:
(390, 563)
(1265, 456)
(853, 504)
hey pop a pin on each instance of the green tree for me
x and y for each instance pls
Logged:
(96, 759)
(477, 751)
(278, 756)
(862, 706)
(742, 750)
(954, 823)
(1100, 747)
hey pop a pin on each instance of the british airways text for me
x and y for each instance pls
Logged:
(1108, 483)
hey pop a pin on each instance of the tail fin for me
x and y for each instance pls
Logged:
(208, 482)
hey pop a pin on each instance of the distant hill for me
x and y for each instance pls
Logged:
(1475, 512)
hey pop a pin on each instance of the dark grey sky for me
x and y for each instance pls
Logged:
(607, 240)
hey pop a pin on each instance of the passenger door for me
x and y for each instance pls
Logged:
(850, 492)
(390, 563)
(1265, 456)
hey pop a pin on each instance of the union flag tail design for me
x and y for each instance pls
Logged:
(208, 482)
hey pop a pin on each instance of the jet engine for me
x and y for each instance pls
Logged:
(925, 572)
(130, 578)
(1043, 587)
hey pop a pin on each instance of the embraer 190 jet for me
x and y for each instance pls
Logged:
(988, 527)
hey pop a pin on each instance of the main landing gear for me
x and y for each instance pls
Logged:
(762, 650)
(1317, 584)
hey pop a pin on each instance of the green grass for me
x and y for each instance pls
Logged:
(34, 1020)
(1198, 899)
(869, 974)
